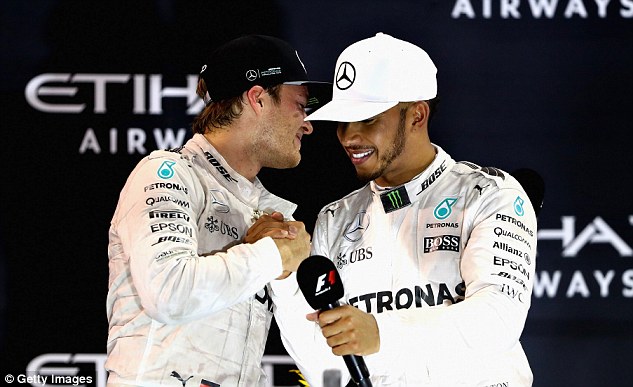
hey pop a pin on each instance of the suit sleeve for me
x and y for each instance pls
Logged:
(497, 265)
(303, 339)
(157, 225)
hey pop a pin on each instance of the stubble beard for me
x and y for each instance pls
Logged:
(268, 147)
(390, 155)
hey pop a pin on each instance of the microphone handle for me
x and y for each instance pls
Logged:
(355, 364)
(360, 375)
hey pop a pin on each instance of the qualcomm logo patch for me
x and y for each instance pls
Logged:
(357, 227)
(518, 206)
(166, 170)
(345, 76)
(444, 209)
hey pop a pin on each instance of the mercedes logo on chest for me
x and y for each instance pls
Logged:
(345, 75)
(355, 229)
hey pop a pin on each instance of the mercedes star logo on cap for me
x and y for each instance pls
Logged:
(345, 76)
(251, 75)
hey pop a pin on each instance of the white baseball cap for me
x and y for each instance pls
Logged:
(374, 75)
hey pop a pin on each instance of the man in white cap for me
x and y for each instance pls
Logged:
(437, 257)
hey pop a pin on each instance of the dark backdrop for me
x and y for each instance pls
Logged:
(90, 87)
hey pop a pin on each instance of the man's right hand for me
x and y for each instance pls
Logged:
(291, 238)
(294, 251)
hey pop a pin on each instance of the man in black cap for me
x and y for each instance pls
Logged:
(190, 258)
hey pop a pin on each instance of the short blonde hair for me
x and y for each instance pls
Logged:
(222, 113)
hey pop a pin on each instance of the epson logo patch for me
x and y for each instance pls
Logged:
(441, 243)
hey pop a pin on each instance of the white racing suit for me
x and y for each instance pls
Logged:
(445, 263)
(187, 300)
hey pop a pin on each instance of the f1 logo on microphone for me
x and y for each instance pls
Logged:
(321, 286)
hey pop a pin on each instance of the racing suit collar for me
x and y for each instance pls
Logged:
(253, 193)
(394, 198)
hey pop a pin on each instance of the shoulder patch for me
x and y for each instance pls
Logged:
(177, 150)
(490, 174)
(469, 164)
(163, 154)
(492, 171)
(489, 171)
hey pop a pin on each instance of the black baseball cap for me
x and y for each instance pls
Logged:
(260, 60)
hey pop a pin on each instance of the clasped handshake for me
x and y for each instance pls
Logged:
(291, 238)
(347, 329)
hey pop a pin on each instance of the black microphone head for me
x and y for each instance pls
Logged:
(534, 186)
(319, 281)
